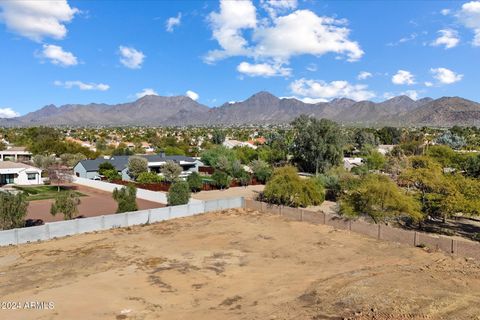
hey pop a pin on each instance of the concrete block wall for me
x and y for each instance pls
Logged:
(71, 227)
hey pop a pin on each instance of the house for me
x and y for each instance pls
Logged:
(230, 144)
(89, 168)
(385, 148)
(350, 163)
(15, 154)
(19, 173)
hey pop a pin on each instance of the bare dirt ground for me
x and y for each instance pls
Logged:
(95, 203)
(249, 192)
(236, 265)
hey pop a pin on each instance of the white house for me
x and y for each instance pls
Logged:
(19, 173)
(15, 154)
(89, 168)
(230, 144)
(349, 163)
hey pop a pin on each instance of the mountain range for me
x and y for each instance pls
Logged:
(261, 108)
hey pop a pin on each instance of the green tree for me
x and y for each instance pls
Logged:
(443, 154)
(452, 140)
(286, 188)
(178, 193)
(137, 165)
(104, 166)
(380, 198)
(211, 156)
(261, 170)
(171, 171)
(43, 162)
(364, 138)
(317, 144)
(13, 209)
(66, 203)
(218, 136)
(389, 135)
(195, 182)
(375, 160)
(126, 198)
(472, 166)
(111, 174)
(221, 179)
(149, 177)
(173, 151)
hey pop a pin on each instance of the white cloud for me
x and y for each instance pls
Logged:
(448, 38)
(428, 84)
(58, 56)
(275, 7)
(306, 99)
(8, 113)
(469, 15)
(192, 95)
(303, 32)
(312, 67)
(364, 75)
(408, 38)
(445, 76)
(412, 94)
(131, 57)
(445, 12)
(227, 26)
(318, 89)
(262, 70)
(278, 38)
(403, 77)
(146, 92)
(82, 85)
(173, 22)
(37, 19)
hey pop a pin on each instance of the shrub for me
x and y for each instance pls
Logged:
(378, 197)
(149, 177)
(13, 209)
(221, 179)
(243, 178)
(104, 166)
(66, 203)
(171, 171)
(195, 182)
(126, 198)
(137, 165)
(287, 188)
(261, 170)
(112, 174)
(178, 194)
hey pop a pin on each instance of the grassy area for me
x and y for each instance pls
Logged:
(44, 192)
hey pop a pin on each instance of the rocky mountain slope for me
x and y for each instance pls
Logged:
(261, 108)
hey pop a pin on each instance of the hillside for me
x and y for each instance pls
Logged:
(260, 108)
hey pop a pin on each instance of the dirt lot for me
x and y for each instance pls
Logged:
(94, 203)
(236, 265)
(248, 192)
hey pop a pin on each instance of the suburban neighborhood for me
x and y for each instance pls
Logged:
(239, 159)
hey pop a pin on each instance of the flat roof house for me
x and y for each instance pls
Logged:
(89, 168)
(15, 154)
(19, 173)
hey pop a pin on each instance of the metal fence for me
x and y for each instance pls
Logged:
(460, 247)
(71, 227)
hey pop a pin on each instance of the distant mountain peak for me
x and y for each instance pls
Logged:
(261, 108)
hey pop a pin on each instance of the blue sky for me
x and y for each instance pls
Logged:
(59, 52)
